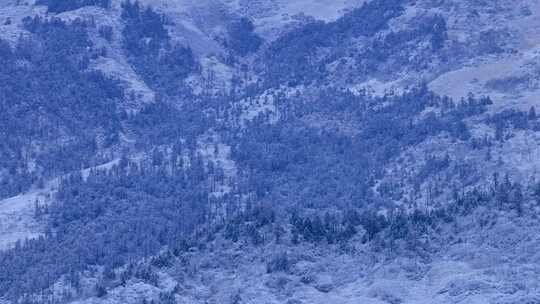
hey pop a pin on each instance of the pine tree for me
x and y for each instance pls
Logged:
(100, 290)
(532, 113)
(516, 199)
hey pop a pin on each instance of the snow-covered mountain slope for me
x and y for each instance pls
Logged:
(21, 216)
(482, 258)
(491, 50)
(495, 48)
(272, 151)
(272, 16)
(18, 218)
(507, 25)
(511, 78)
(11, 16)
(199, 24)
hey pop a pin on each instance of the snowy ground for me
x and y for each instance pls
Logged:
(483, 258)
(496, 264)
(17, 221)
(521, 19)
(259, 105)
(271, 15)
(193, 23)
(11, 16)
(476, 78)
(17, 214)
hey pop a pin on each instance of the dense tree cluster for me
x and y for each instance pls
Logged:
(54, 98)
(513, 119)
(110, 218)
(302, 55)
(242, 38)
(329, 228)
(163, 123)
(49, 96)
(162, 64)
(290, 162)
(307, 173)
(59, 6)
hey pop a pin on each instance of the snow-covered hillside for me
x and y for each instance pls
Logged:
(479, 260)
(18, 219)
(270, 151)
(511, 78)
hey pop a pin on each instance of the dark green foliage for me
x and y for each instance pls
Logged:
(302, 55)
(293, 163)
(59, 6)
(280, 262)
(52, 99)
(167, 298)
(532, 113)
(106, 32)
(333, 229)
(291, 56)
(242, 39)
(249, 223)
(162, 65)
(109, 219)
(164, 123)
(513, 119)
(100, 290)
(433, 165)
(144, 31)
(439, 32)
(370, 18)
(373, 224)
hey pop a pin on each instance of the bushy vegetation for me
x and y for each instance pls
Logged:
(296, 56)
(49, 95)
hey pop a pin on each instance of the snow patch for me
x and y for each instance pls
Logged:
(17, 217)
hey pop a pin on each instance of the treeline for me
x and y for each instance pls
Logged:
(395, 232)
(294, 58)
(262, 224)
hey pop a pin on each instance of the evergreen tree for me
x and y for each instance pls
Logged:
(532, 113)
